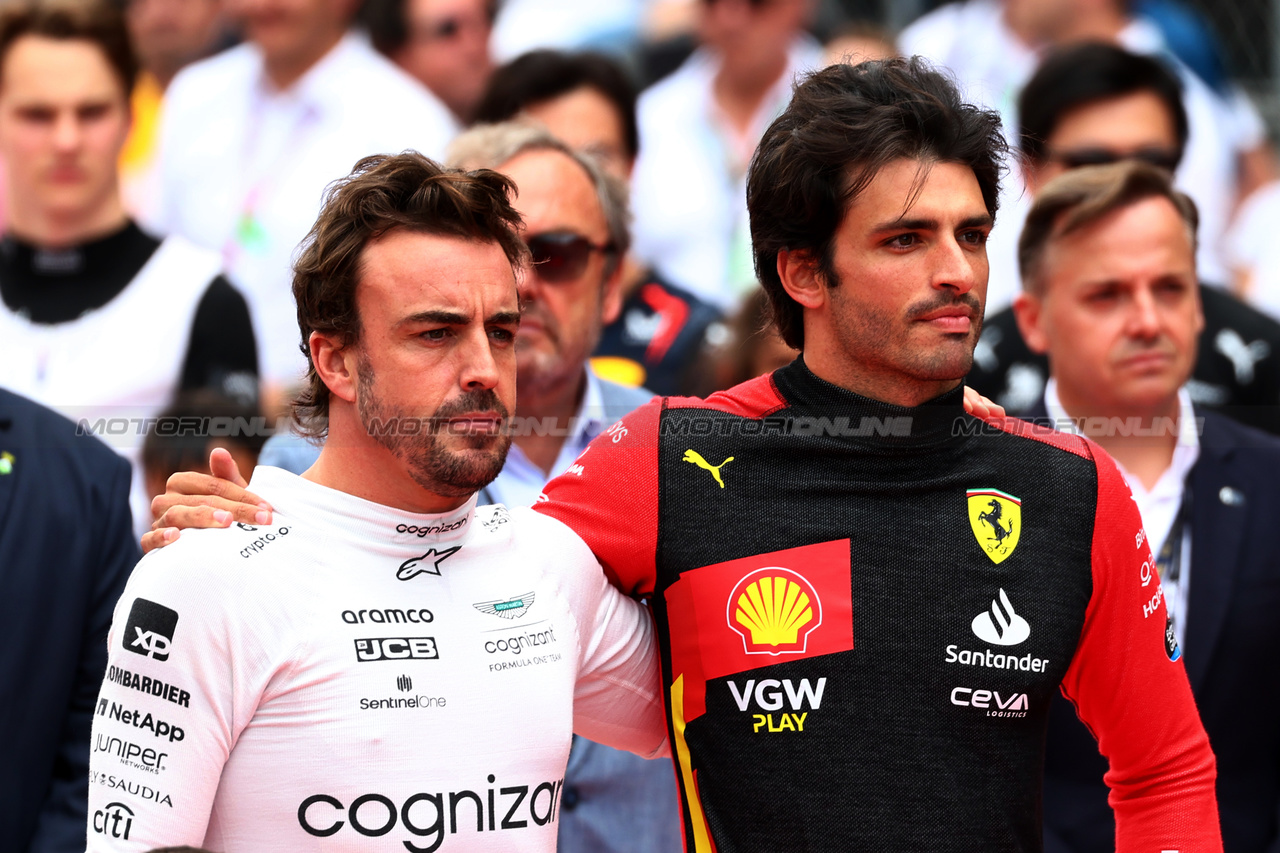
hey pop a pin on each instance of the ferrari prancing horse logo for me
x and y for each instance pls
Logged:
(996, 519)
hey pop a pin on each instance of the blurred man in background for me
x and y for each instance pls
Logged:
(1097, 103)
(167, 36)
(66, 547)
(100, 320)
(1111, 296)
(588, 101)
(251, 138)
(698, 129)
(444, 44)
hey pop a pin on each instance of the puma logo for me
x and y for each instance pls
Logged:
(696, 458)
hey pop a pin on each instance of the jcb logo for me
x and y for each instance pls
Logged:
(149, 631)
(396, 648)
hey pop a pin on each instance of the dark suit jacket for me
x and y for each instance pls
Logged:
(1231, 650)
(66, 549)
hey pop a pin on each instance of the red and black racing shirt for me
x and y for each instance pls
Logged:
(864, 611)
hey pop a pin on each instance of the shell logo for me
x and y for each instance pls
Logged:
(774, 610)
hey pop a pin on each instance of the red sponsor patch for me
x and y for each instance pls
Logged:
(758, 611)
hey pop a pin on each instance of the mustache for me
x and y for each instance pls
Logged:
(925, 307)
(484, 400)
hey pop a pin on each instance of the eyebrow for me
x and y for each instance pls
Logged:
(904, 224)
(455, 318)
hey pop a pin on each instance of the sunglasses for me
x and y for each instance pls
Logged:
(561, 257)
(1161, 158)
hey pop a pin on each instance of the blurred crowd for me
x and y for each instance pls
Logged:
(158, 188)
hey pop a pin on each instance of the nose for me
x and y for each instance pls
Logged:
(960, 268)
(66, 131)
(1144, 317)
(480, 370)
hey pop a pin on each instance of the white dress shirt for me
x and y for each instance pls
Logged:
(688, 190)
(1159, 506)
(244, 165)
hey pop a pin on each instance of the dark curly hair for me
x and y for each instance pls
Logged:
(844, 124)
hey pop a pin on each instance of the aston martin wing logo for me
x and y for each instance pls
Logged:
(996, 520)
(510, 608)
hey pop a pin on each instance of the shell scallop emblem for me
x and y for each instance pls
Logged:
(774, 610)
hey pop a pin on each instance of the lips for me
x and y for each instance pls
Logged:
(954, 319)
(475, 422)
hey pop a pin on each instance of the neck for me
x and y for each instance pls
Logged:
(559, 404)
(287, 69)
(1142, 439)
(740, 92)
(57, 230)
(352, 461)
(826, 363)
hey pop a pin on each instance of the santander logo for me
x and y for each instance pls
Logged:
(1001, 625)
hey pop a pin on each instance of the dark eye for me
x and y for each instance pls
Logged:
(903, 241)
(976, 237)
(505, 336)
(434, 334)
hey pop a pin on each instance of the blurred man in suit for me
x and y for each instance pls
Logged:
(1111, 296)
(66, 549)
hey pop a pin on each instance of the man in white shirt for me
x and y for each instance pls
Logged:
(234, 709)
(251, 137)
(698, 130)
(1108, 263)
(994, 46)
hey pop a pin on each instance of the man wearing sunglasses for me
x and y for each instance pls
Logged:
(1094, 104)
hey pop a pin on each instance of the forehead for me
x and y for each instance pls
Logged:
(1142, 240)
(913, 188)
(580, 118)
(405, 272)
(45, 69)
(555, 193)
(1128, 121)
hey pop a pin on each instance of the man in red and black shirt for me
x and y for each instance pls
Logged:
(866, 598)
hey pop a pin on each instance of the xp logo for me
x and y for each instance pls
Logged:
(427, 564)
(774, 610)
(149, 630)
(1000, 625)
(108, 820)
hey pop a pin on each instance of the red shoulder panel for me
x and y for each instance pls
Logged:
(1061, 440)
(609, 497)
(755, 398)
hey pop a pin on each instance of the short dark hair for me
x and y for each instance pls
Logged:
(100, 22)
(541, 75)
(1081, 74)
(388, 26)
(844, 124)
(1080, 197)
(384, 192)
